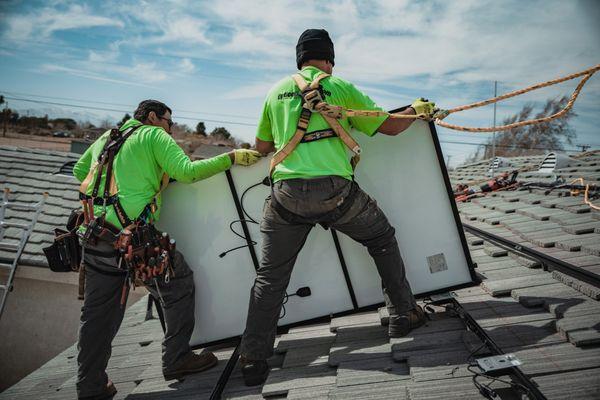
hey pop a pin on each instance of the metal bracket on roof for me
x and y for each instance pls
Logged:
(495, 364)
(533, 392)
(549, 263)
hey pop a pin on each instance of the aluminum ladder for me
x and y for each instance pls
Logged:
(16, 248)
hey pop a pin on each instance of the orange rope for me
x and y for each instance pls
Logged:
(586, 200)
(338, 112)
(587, 74)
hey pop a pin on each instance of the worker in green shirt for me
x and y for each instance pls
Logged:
(147, 153)
(314, 184)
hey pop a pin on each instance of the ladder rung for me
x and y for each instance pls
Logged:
(3, 287)
(7, 266)
(14, 225)
(8, 246)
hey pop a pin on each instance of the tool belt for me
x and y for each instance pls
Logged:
(145, 252)
(142, 252)
(325, 220)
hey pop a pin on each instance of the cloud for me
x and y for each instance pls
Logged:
(86, 74)
(253, 91)
(398, 41)
(186, 66)
(41, 24)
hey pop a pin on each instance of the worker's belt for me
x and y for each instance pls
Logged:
(325, 220)
(114, 201)
(317, 135)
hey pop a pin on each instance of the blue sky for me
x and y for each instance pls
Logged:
(214, 61)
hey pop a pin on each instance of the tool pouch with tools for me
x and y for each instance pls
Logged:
(64, 255)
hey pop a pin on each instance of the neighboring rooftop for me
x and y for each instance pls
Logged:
(28, 173)
(549, 320)
(208, 150)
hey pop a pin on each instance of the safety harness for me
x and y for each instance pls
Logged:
(110, 194)
(143, 252)
(313, 102)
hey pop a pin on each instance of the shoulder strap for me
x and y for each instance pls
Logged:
(105, 160)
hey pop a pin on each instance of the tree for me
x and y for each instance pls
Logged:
(221, 132)
(106, 123)
(125, 118)
(64, 123)
(201, 129)
(532, 139)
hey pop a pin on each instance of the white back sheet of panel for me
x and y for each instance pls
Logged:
(197, 216)
(401, 173)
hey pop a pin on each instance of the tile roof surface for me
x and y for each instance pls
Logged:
(549, 320)
(28, 173)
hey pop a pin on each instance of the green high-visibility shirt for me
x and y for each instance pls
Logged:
(323, 157)
(139, 166)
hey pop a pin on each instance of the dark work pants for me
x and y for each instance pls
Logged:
(315, 199)
(101, 316)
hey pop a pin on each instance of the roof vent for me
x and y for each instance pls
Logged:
(554, 161)
(66, 168)
(499, 162)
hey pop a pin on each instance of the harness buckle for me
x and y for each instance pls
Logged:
(311, 99)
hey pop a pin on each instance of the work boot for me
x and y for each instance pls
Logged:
(401, 325)
(109, 391)
(192, 363)
(255, 372)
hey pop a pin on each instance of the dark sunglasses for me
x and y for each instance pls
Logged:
(169, 121)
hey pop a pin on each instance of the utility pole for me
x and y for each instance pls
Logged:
(448, 161)
(494, 132)
(5, 117)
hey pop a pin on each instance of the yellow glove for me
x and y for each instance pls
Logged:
(246, 157)
(423, 106)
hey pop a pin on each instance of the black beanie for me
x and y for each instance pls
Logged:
(314, 44)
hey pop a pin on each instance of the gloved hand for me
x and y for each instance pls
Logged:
(245, 156)
(423, 106)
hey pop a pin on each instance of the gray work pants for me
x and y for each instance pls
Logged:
(317, 200)
(101, 316)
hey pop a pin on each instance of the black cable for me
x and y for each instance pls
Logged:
(249, 220)
(286, 297)
(479, 385)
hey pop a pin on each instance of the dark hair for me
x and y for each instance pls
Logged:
(146, 106)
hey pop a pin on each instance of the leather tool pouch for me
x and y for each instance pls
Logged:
(64, 255)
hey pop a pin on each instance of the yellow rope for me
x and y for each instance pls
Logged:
(586, 200)
(338, 112)
(587, 74)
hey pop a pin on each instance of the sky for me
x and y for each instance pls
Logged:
(214, 61)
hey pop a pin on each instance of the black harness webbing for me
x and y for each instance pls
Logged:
(105, 160)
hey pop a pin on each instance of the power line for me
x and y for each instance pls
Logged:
(123, 111)
(120, 104)
(507, 147)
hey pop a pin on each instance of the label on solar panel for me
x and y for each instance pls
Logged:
(437, 263)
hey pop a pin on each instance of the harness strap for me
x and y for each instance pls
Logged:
(111, 147)
(313, 102)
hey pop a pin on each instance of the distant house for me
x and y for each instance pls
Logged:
(41, 317)
(205, 151)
